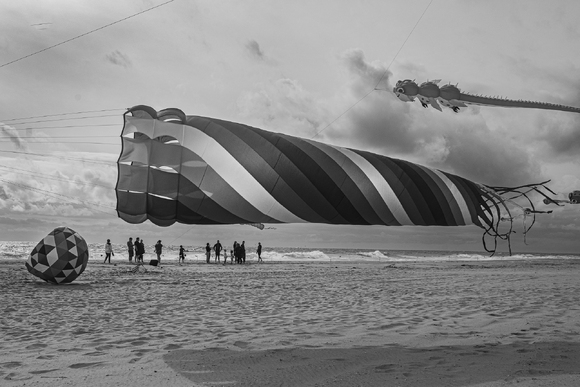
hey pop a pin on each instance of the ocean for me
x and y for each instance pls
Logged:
(21, 251)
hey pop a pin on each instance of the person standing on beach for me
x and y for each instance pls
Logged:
(130, 249)
(158, 250)
(231, 257)
(259, 252)
(142, 249)
(181, 255)
(218, 248)
(207, 252)
(139, 251)
(243, 251)
(235, 251)
(108, 251)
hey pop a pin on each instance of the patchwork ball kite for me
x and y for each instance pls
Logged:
(60, 257)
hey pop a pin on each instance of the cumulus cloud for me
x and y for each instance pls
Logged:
(119, 59)
(53, 188)
(560, 134)
(488, 146)
(464, 144)
(254, 51)
(3, 194)
(11, 133)
(284, 106)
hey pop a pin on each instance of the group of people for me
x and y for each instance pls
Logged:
(137, 249)
(238, 252)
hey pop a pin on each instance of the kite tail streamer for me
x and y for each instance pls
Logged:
(500, 197)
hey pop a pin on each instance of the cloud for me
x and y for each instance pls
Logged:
(118, 58)
(463, 144)
(3, 194)
(283, 106)
(12, 134)
(52, 188)
(255, 52)
(560, 134)
(360, 117)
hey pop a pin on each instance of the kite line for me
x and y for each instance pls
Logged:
(382, 76)
(87, 33)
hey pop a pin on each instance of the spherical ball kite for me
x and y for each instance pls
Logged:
(60, 257)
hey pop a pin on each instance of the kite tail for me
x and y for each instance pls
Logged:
(496, 200)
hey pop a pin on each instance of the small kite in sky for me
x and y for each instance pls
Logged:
(429, 93)
(60, 257)
(199, 170)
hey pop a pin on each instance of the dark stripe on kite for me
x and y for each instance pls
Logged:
(395, 177)
(447, 191)
(255, 159)
(289, 174)
(425, 199)
(439, 194)
(352, 193)
(319, 176)
(470, 198)
(318, 179)
(198, 202)
(363, 183)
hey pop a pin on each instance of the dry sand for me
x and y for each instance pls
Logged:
(498, 323)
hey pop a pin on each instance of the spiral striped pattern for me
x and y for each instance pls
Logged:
(199, 170)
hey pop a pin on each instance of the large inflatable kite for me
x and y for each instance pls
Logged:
(60, 257)
(429, 93)
(198, 170)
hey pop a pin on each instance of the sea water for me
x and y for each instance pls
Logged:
(21, 251)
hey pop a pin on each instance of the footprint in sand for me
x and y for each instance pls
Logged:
(43, 371)
(85, 365)
(45, 357)
(96, 353)
(385, 368)
(10, 364)
(241, 344)
(139, 353)
(36, 346)
(17, 376)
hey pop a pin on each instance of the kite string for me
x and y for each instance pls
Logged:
(382, 76)
(86, 33)
(403, 45)
(59, 196)
(63, 114)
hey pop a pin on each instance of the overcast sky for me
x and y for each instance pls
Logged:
(296, 67)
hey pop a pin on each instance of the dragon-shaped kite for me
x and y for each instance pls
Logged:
(429, 93)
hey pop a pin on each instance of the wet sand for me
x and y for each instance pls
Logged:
(498, 323)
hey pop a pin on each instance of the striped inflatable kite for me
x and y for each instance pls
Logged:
(198, 170)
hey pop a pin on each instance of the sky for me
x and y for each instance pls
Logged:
(320, 69)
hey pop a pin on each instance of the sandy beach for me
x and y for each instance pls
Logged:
(498, 323)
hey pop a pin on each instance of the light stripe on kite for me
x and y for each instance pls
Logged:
(319, 209)
(389, 198)
(456, 200)
(378, 193)
(441, 195)
(319, 181)
(335, 169)
(227, 167)
(252, 159)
